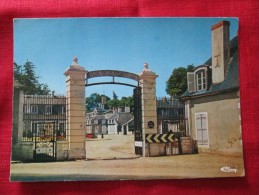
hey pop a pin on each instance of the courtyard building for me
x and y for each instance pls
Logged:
(212, 100)
(114, 121)
(40, 126)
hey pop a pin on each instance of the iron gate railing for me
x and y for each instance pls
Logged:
(44, 123)
(171, 115)
(138, 121)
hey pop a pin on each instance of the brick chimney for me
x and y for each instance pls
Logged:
(220, 50)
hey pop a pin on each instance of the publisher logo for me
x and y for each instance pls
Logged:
(227, 169)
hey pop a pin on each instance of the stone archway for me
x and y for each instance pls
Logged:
(76, 77)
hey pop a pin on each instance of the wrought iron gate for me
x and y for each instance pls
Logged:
(138, 122)
(44, 137)
(44, 119)
(171, 115)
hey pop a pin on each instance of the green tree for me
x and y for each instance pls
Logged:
(114, 103)
(25, 75)
(17, 72)
(94, 100)
(176, 85)
(127, 101)
(115, 97)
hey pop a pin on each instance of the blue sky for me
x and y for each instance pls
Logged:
(113, 43)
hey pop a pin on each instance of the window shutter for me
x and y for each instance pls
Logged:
(191, 82)
(202, 128)
(206, 79)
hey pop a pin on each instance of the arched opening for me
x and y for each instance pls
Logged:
(112, 131)
(144, 99)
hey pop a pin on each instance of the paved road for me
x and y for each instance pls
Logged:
(123, 164)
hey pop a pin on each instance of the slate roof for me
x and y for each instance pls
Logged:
(98, 117)
(123, 117)
(231, 81)
(100, 109)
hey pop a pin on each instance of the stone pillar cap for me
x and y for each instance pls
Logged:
(147, 72)
(75, 67)
(146, 67)
(75, 61)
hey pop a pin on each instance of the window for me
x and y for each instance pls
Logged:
(63, 109)
(197, 80)
(201, 80)
(48, 109)
(34, 109)
(201, 121)
(26, 109)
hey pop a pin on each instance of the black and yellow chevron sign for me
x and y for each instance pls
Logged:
(160, 138)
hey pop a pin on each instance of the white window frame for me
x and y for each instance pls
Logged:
(34, 107)
(207, 124)
(46, 109)
(203, 84)
(63, 110)
(194, 83)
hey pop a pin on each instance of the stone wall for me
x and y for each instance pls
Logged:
(62, 150)
(22, 151)
(155, 149)
(18, 98)
(224, 124)
(17, 116)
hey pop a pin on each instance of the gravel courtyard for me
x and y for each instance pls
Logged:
(113, 157)
(110, 147)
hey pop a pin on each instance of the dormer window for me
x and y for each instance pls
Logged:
(201, 80)
(197, 80)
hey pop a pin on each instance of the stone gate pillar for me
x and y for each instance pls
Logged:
(75, 93)
(148, 100)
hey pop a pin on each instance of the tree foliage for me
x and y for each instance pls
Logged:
(114, 103)
(115, 97)
(95, 100)
(26, 76)
(176, 85)
(124, 101)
